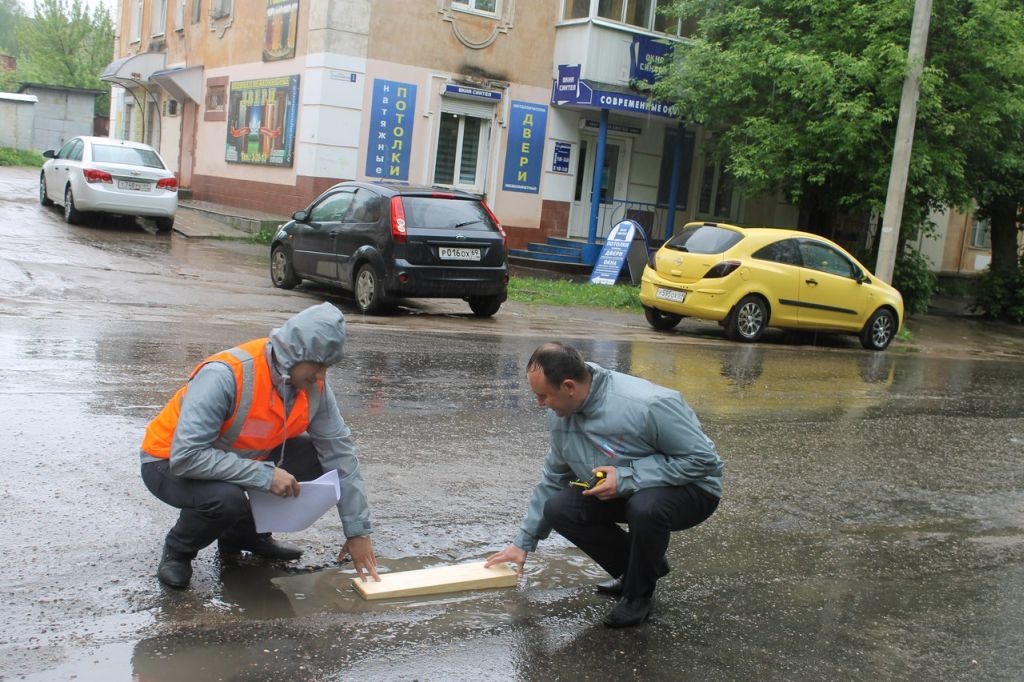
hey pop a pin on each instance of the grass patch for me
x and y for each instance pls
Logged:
(568, 293)
(904, 335)
(262, 237)
(20, 157)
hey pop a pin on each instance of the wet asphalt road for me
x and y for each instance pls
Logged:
(873, 524)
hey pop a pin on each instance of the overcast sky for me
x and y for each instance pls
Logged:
(110, 5)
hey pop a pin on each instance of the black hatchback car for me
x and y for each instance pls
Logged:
(384, 242)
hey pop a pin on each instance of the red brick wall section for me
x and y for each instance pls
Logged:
(261, 196)
(554, 222)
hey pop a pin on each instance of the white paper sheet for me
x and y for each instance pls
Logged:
(275, 514)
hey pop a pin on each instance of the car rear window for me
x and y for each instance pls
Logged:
(704, 239)
(132, 156)
(440, 212)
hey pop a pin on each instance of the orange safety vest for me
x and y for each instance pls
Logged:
(257, 423)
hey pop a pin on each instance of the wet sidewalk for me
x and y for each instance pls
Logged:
(205, 219)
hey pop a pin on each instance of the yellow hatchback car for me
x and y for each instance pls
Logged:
(750, 278)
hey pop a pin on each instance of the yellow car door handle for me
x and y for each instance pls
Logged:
(812, 282)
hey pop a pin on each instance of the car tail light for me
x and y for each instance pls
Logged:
(167, 183)
(722, 269)
(443, 195)
(398, 232)
(494, 219)
(93, 175)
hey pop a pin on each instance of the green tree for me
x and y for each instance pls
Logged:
(10, 15)
(802, 97)
(67, 44)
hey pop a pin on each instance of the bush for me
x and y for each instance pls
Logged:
(20, 157)
(1000, 294)
(913, 278)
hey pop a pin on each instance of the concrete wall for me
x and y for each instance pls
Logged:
(16, 121)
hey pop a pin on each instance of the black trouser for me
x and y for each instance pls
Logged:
(639, 554)
(215, 510)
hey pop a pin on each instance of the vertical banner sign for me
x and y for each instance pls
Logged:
(523, 156)
(262, 115)
(281, 29)
(613, 253)
(392, 114)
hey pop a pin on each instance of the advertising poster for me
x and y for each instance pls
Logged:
(527, 122)
(262, 115)
(279, 39)
(390, 143)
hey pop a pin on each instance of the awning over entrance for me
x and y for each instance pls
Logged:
(134, 70)
(181, 83)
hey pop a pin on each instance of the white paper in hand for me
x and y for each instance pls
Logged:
(274, 514)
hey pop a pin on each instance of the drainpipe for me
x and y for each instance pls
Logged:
(673, 192)
(590, 249)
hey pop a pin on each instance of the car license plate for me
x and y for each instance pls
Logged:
(670, 295)
(456, 253)
(137, 186)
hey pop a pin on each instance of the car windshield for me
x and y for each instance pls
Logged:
(464, 214)
(131, 156)
(704, 239)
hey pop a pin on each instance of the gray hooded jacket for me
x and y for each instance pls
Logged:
(317, 334)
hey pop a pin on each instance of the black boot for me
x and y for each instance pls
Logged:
(262, 545)
(629, 612)
(175, 568)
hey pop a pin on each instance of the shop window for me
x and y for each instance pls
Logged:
(716, 191)
(216, 99)
(668, 152)
(462, 142)
(981, 234)
(483, 6)
(576, 9)
(136, 26)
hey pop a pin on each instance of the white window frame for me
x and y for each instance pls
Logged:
(158, 23)
(483, 149)
(136, 21)
(981, 234)
(179, 15)
(470, 7)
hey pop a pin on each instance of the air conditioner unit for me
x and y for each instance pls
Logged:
(171, 107)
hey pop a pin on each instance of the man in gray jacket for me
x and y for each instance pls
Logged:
(259, 416)
(660, 474)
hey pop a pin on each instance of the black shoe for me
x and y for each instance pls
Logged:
(612, 587)
(175, 568)
(629, 612)
(264, 546)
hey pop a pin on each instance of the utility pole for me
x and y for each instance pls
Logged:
(897, 192)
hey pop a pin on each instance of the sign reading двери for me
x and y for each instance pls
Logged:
(523, 155)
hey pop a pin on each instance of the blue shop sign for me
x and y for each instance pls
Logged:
(465, 91)
(570, 89)
(560, 162)
(393, 111)
(613, 253)
(645, 55)
(527, 122)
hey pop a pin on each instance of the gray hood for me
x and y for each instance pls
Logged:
(317, 334)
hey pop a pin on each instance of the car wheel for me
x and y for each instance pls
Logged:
(748, 319)
(72, 215)
(43, 199)
(369, 290)
(164, 224)
(484, 306)
(661, 320)
(282, 272)
(878, 333)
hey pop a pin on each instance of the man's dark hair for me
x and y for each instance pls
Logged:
(559, 362)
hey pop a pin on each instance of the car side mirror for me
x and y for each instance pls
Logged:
(299, 216)
(862, 278)
(50, 154)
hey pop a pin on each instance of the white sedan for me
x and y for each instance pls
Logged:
(102, 175)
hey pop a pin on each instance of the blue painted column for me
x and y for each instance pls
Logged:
(591, 250)
(673, 192)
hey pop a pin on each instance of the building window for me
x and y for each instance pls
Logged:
(668, 152)
(136, 30)
(220, 8)
(672, 25)
(715, 191)
(482, 6)
(179, 15)
(981, 234)
(632, 12)
(576, 9)
(197, 11)
(462, 142)
(216, 99)
(159, 22)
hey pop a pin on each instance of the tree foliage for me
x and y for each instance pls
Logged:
(10, 15)
(66, 44)
(802, 97)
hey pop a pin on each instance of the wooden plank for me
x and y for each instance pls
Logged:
(436, 581)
